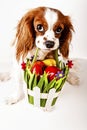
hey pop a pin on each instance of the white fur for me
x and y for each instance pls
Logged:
(51, 18)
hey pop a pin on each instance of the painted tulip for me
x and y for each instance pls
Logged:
(41, 63)
(38, 68)
(52, 71)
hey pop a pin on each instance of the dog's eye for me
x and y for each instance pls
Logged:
(58, 30)
(40, 28)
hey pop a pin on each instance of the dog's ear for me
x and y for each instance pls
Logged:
(66, 37)
(25, 35)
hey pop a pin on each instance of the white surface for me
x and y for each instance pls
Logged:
(71, 108)
(11, 11)
(70, 112)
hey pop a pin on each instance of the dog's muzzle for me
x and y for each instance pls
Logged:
(49, 44)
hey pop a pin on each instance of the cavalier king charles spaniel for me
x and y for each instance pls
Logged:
(47, 29)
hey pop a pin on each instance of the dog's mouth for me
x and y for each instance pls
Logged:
(47, 46)
(47, 50)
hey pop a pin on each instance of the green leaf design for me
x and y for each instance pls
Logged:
(61, 65)
(45, 80)
(59, 82)
(49, 86)
(66, 70)
(31, 80)
(35, 58)
(56, 57)
(41, 83)
(25, 76)
(34, 81)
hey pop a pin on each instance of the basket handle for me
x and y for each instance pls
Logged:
(35, 58)
(56, 57)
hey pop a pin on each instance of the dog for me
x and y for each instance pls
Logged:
(45, 28)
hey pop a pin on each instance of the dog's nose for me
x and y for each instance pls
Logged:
(49, 44)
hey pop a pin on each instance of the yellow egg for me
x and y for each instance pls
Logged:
(50, 62)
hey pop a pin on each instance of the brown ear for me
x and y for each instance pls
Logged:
(25, 35)
(66, 37)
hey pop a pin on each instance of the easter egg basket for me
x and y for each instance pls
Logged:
(43, 87)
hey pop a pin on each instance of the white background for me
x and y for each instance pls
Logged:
(71, 109)
(11, 12)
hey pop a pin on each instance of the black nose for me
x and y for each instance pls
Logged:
(49, 44)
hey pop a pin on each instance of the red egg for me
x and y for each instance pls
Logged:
(40, 63)
(51, 71)
(38, 68)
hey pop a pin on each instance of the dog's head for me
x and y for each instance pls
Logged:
(46, 28)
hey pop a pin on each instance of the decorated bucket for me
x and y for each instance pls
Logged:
(44, 80)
